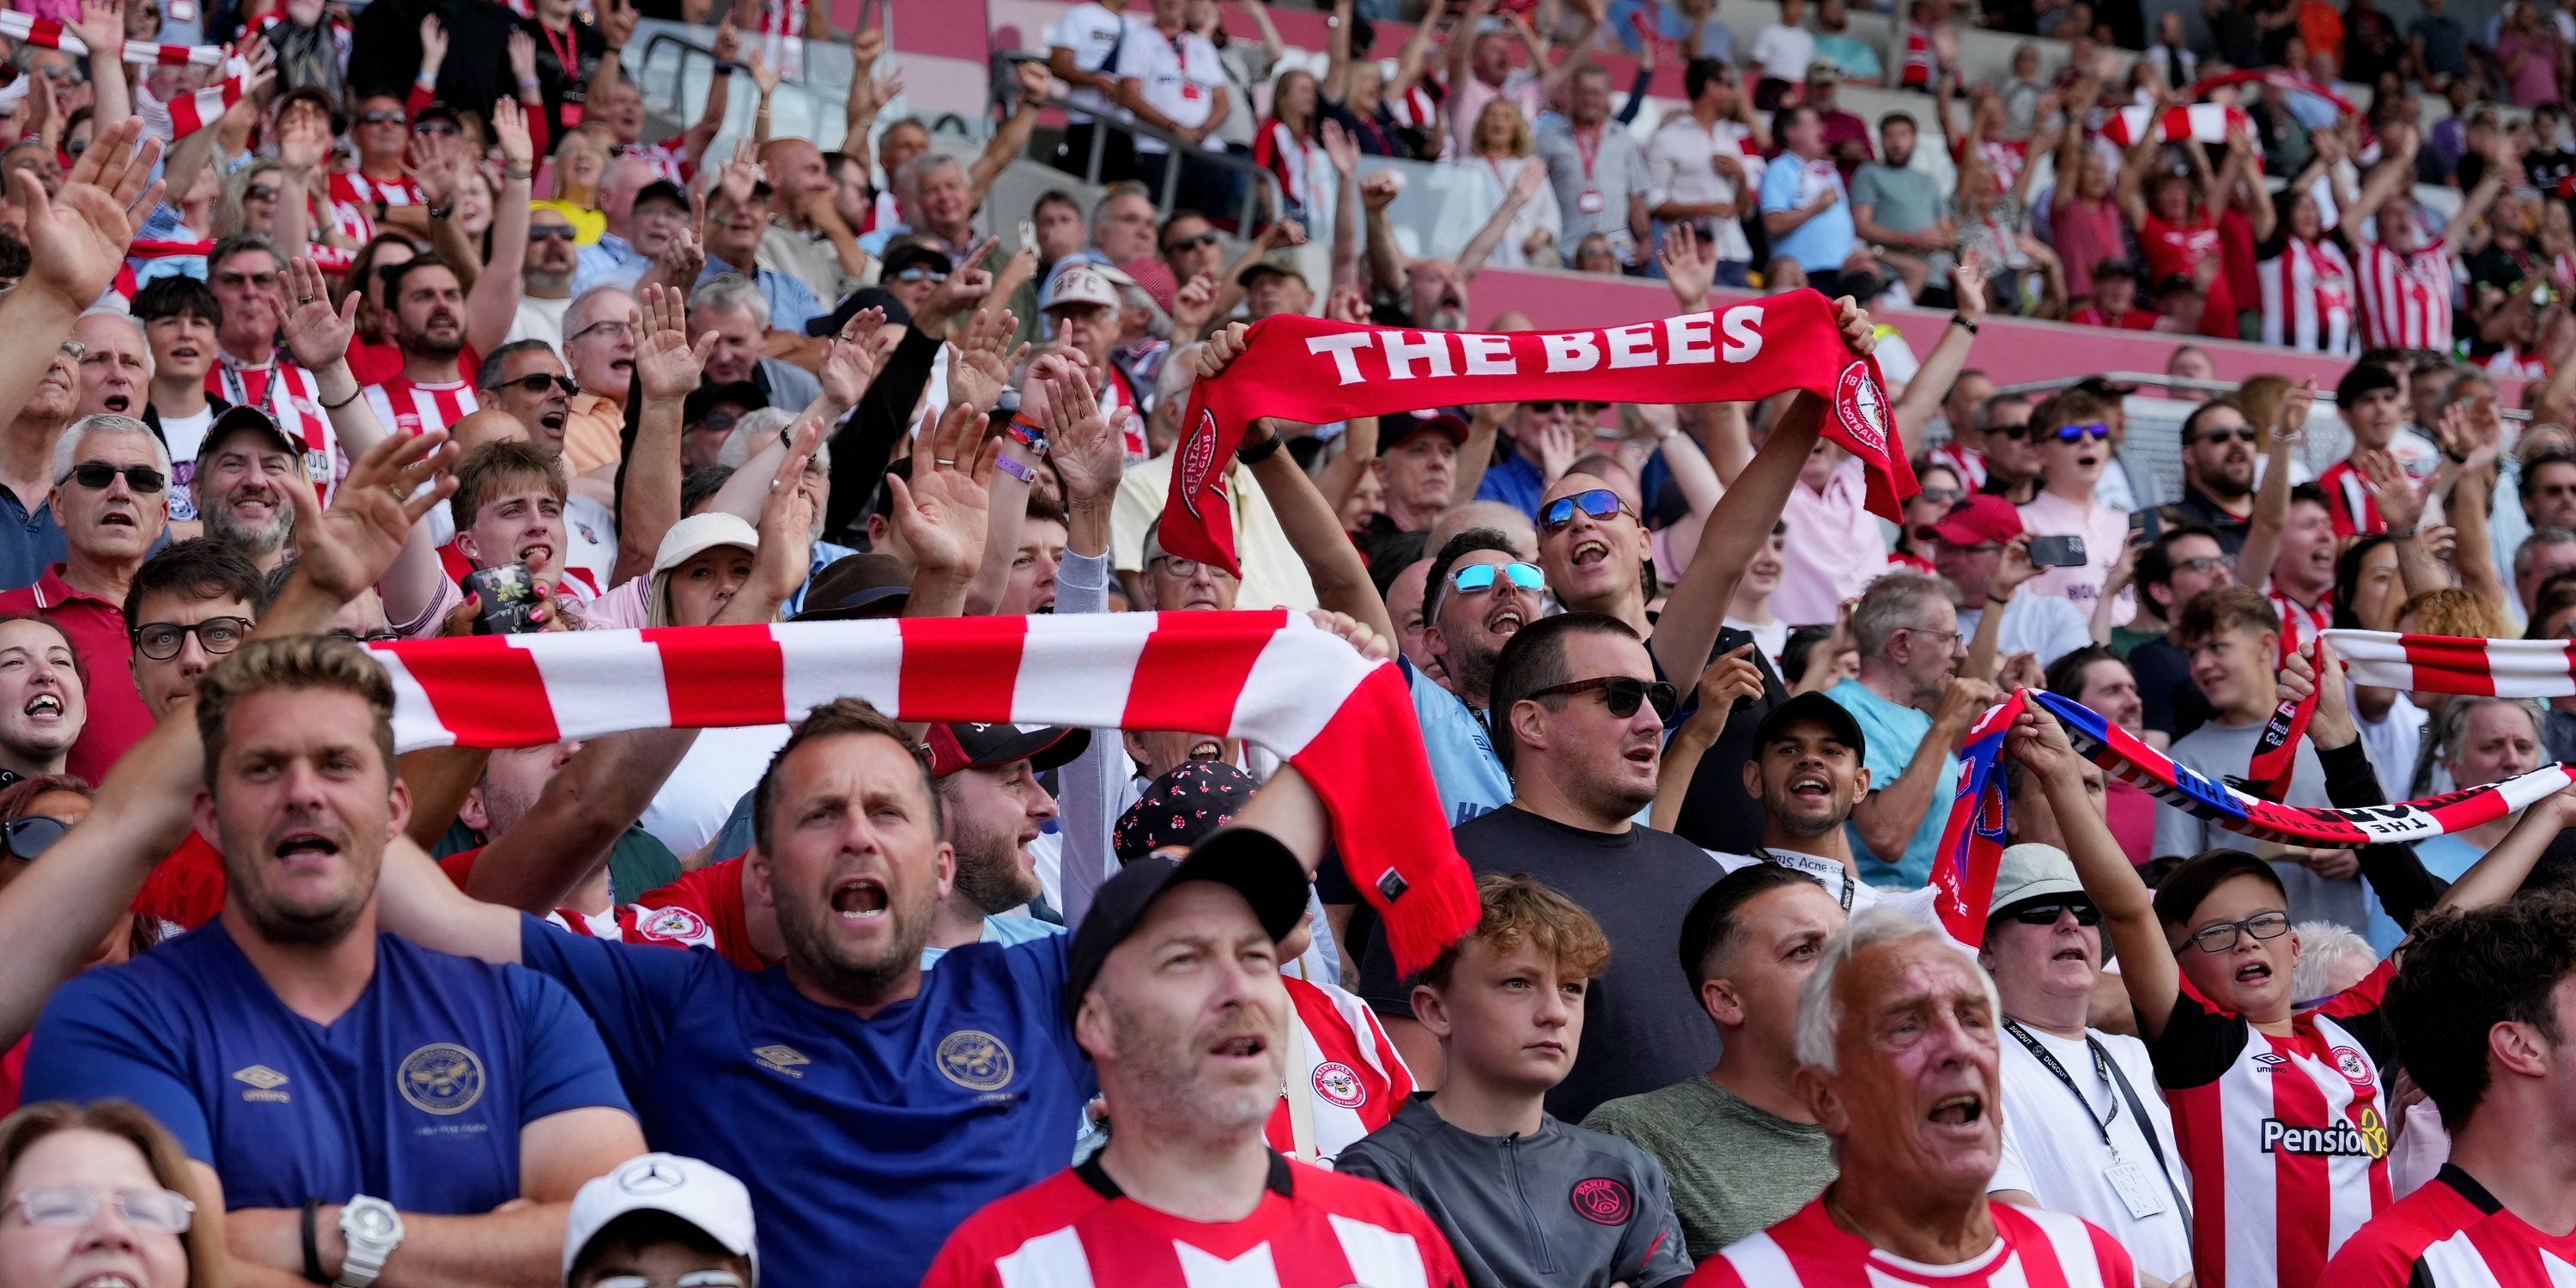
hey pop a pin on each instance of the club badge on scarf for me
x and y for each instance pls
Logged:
(1307, 369)
(1972, 843)
(1272, 678)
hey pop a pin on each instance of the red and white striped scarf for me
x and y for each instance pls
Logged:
(1271, 678)
(2448, 664)
(47, 33)
(189, 113)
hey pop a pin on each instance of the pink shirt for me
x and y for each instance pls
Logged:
(2104, 531)
(2088, 232)
(1467, 101)
(1834, 548)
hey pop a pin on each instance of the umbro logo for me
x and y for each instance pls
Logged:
(263, 1083)
(2268, 1062)
(780, 1059)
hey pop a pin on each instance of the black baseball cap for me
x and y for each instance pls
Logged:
(1811, 706)
(873, 584)
(1246, 860)
(864, 297)
(237, 419)
(984, 746)
(666, 191)
(706, 398)
(1394, 429)
(905, 252)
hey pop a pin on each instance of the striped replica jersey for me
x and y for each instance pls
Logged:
(2501, 1251)
(2348, 500)
(2384, 1253)
(2286, 1138)
(2308, 297)
(406, 408)
(2032, 1249)
(2301, 624)
(1344, 1062)
(2405, 299)
(354, 197)
(1312, 1229)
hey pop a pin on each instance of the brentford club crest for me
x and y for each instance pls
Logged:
(1198, 460)
(1337, 1083)
(1862, 405)
(672, 925)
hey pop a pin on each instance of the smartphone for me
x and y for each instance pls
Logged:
(2137, 521)
(504, 596)
(1028, 234)
(2057, 552)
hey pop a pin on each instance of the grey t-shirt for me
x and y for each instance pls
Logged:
(1906, 201)
(2218, 752)
(1734, 1169)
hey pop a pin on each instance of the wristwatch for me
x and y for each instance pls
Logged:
(373, 1230)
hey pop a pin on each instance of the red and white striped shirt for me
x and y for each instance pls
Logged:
(2286, 1138)
(1312, 1229)
(2502, 1251)
(2308, 297)
(2405, 299)
(293, 398)
(354, 197)
(2349, 501)
(1357, 1080)
(2032, 1249)
(1970, 464)
(669, 158)
(2383, 1254)
(403, 407)
(2300, 624)
(1290, 159)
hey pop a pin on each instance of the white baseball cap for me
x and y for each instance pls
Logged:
(702, 532)
(699, 1193)
(1084, 283)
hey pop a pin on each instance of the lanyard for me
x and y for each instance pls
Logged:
(1586, 155)
(1816, 868)
(2101, 1070)
(568, 53)
(237, 388)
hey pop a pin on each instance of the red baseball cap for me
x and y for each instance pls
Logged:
(1982, 519)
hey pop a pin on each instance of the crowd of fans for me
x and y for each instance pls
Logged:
(387, 330)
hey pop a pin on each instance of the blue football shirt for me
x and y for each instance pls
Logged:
(864, 1141)
(416, 1095)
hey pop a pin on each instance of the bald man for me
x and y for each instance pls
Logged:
(807, 239)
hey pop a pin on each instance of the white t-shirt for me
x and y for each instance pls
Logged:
(1179, 75)
(2041, 624)
(700, 795)
(2054, 1154)
(1093, 33)
(1783, 52)
(185, 434)
(541, 320)
(1774, 638)
(1854, 895)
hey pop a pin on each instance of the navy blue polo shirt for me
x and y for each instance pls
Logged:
(416, 1095)
(864, 1141)
(30, 541)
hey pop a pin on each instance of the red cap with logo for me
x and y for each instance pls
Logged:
(1981, 519)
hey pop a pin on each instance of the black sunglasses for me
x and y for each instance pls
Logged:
(382, 117)
(1599, 502)
(1622, 694)
(2242, 434)
(551, 232)
(2045, 914)
(30, 835)
(444, 129)
(2013, 432)
(1189, 243)
(97, 475)
(536, 382)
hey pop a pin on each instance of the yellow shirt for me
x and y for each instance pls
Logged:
(1273, 575)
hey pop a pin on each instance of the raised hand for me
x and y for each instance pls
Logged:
(1347, 303)
(1858, 331)
(1690, 267)
(302, 143)
(510, 130)
(1282, 232)
(966, 287)
(102, 28)
(1533, 176)
(1192, 306)
(347, 548)
(742, 173)
(431, 163)
(522, 50)
(1558, 446)
(728, 38)
(616, 24)
(1968, 282)
(1089, 453)
(316, 333)
(1731, 676)
(2400, 499)
(1222, 349)
(785, 555)
(79, 236)
(1378, 190)
(763, 75)
(850, 358)
(1033, 80)
(684, 257)
(981, 368)
(433, 45)
(942, 510)
(1341, 149)
(667, 366)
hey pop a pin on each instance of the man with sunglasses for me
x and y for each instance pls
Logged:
(2012, 459)
(2117, 1166)
(377, 195)
(112, 494)
(425, 319)
(2218, 448)
(545, 274)
(527, 380)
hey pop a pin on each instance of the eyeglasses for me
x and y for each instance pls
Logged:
(154, 1211)
(1956, 639)
(161, 641)
(622, 330)
(97, 475)
(2222, 938)
(381, 116)
(30, 835)
(693, 1279)
(2013, 432)
(551, 232)
(2045, 914)
(440, 129)
(1599, 502)
(916, 276)
(537, 382)
(1175, 566)
(75, 146)
(365, 637)
(1943, 495)
(1189, 243)
(2205, 563)
(2242, 434)
(1476, 579)
(2095, 430)
(1622, 694)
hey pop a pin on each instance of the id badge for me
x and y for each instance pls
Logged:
(1189, 91)
(2143, 1195)
(1589, 201)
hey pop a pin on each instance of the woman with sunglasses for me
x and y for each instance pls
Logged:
(2073, 431)
(34, 813)
(100, 1193)
(1941, 490)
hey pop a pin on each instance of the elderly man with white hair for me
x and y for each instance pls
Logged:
(1898, 1057)
(115, 365)
(112, 494)
(1273, 575)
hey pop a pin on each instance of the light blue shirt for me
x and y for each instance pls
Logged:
(2447, 857)
(999, 930)
(1892, 733)
(611, 261)
(1464, 768)
(824, 554)
(1822, 243)
(791, 305)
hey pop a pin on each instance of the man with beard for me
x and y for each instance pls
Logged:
(1480, 594)
(2217, 474)
(426, 321)
(733, 307)
(599, 347)
(180, 320)
(115, 366)
(112, 488)
(1898, 1062)
(993, 807)
(1435, 295)
(43, 698)
(1176, 997)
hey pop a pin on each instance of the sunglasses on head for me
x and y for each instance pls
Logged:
(29, 835)
(537, 382)
(1475, 579)
(2045, 914)
(1599, 502)
(97, 475)
(2095, 430)
(1622, 694)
